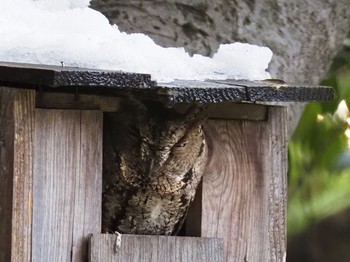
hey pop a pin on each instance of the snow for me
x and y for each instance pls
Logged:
(68, 31)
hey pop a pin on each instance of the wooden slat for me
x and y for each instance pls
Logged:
(228, 110)
(117, 83)
(181, 91)
(237, 111)
(67, 185)
(291, 93)
(277, 188)
(53, 100)
(6, 171)
(57, 152)
(244, 187)
(88, 184)
(16, 157)
(61, 76)
(278, 91)
(24, 108)
(155, 249)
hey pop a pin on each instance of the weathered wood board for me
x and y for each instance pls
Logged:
(55, 100)
(243, 194)
(117, 83)
(16, 158)
(67, 183)
(58, 76)
(227, 110)
(155, 248)
(275, 90)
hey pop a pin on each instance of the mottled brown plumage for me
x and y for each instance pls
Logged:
(153, 161)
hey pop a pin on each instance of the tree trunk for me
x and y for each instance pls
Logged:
(303, 35)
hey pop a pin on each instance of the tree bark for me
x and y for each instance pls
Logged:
(303, 35)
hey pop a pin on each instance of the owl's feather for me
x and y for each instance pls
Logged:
(154, 159)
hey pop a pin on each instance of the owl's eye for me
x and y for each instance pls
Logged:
(183, 144)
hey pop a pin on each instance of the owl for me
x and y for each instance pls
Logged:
(154, 159)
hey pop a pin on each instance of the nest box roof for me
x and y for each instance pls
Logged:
(68, 79)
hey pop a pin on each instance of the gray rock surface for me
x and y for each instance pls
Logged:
(303, 35)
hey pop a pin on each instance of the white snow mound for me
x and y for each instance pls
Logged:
(55, 31)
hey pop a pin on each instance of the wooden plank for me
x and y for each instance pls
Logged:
(117, 83)
(225, 110)
(61, 76)
(181, 91)
(24, 107)
(278, 183)
(155, 248)
(238, 111)
(6, 170)
(228, 110)
(54, 100)
(244, 188)
(88, 183)
(57, 139)
(16, 157)
(291, 93)
(275, 90)
(67, 185)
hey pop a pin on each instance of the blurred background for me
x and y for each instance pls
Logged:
(319, 174)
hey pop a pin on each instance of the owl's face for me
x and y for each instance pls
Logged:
(178, 141)
(150, 144)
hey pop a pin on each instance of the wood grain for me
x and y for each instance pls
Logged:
(16, 157)
(88, 184)
(6, 170)
(244, 188)
(62, 76)
(53, 100)
(105, 82)
(67, 185)
(243, 111)
(155, 248)
(24, 108)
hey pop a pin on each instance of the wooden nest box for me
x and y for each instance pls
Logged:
(51, 153)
